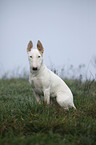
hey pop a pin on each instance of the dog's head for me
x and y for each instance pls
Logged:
(35, 56)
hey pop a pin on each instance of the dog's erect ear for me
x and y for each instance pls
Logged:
(40, 47)
(30, 46)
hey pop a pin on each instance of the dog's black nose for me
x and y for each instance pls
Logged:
(34, 68)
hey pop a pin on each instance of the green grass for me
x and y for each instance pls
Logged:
(24, 122)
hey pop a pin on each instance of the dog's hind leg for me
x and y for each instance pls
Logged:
(65, 101)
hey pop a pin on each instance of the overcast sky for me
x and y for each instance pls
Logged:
(66, 28)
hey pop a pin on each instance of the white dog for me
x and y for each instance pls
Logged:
(44, 81)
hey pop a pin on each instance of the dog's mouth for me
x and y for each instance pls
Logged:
(34, 68)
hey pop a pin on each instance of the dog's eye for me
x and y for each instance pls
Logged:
(30, 56)
(38, 56)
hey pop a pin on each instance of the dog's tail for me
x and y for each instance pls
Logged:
(74, 107)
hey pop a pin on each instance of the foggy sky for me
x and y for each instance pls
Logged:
(66, 28)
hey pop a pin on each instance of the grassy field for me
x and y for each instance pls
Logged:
(24, 122)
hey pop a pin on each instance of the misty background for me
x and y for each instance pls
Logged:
(66, 28)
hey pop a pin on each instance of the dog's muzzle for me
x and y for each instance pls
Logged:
(34, 68)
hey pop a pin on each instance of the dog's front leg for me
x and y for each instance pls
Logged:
(37, 97)
(47, 96)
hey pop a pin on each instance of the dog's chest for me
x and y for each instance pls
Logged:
(36, 84)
